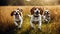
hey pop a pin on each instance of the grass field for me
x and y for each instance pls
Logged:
(7, 24)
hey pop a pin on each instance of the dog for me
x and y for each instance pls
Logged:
(36, 17)
(18, 17)
(46, 16)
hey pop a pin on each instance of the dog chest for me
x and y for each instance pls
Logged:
(36, 19)
(17, 18)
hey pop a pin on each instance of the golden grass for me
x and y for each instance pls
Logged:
(6, 20)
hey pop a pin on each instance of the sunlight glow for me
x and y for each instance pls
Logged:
(47, 0)
(28, 0)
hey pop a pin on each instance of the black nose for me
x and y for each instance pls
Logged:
(37, 12)
(16, 13)
(47, 12)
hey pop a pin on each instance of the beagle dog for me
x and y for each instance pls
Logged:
(46, 16)
(36, 17)
(18, 17)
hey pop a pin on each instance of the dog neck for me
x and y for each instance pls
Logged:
(36, 15)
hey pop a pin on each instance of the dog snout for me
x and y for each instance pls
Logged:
(16, 13)
(37, 12)
(47, 12)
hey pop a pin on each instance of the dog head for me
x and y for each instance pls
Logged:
(46, 12)
(19, 9)
(36, 10)
(16, 12)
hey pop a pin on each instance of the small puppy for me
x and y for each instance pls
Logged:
(36, 17)
(18, 17)
(46, 16)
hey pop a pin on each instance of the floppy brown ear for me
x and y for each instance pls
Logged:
(12, 13)
(41, 11)
(32, 10)
(20, 10)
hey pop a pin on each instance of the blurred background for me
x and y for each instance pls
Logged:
(29, 2)
(7, 25)
(6, 20)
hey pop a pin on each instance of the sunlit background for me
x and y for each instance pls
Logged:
(6, 20)
(30, 2)
(7, 23)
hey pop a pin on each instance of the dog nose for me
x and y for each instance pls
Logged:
(16, 13)
(37, 12)
(47, 12)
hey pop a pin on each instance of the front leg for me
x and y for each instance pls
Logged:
(15, 21)
(31, 21)
(21, 21)
(39, 25)
(31, 24)
(40, 22)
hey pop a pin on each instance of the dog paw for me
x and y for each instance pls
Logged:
(39, 29)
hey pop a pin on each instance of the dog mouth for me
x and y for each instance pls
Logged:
(36, 14)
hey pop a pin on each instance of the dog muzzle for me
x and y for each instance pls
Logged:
(36, 14)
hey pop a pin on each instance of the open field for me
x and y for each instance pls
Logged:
(7, 24)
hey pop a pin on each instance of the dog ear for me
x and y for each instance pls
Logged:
(32, 10)
(41, 10)
(12, 13)
(21, 10)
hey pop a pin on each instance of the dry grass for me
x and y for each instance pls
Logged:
(6, 20)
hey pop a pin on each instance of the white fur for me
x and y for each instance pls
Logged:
(20, 19)
(45, 16)
(32, 18)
